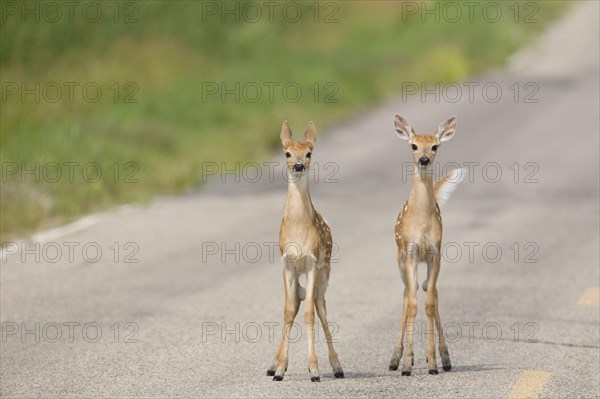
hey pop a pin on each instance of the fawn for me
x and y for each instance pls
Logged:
(419, 237)
(305, 244)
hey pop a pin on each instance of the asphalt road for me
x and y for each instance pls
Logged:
(200, 313)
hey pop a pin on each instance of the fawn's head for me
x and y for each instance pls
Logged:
(424, 146)
(298, 153)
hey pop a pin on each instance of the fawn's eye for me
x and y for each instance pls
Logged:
(434, 147)
(308, 154)
(287, 155)
(414, 147)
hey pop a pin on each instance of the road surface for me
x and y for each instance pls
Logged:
(200, 312)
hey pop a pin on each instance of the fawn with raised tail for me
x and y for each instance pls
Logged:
(419, 239)
(305, 244)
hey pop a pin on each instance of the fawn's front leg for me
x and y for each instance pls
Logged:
(444, 354)
(410, 268)
(309, 316)
(338, 372)
(443, 346)
(291, 306)
(399, 348)
(433, 314)
(433, 270)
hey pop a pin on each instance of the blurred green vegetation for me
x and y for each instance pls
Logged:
(163, 54)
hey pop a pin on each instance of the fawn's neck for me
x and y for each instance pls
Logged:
(298, 204)
(422, 199)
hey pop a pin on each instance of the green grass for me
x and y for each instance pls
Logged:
(170, 53)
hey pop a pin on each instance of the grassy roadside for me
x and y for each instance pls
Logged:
(155, 123)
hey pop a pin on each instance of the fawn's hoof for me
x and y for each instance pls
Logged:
(448, 367)
(393, 367)
(406, 373)
(270, 373)
(339, 374)
(278, 378)
(315, 379)
(433, 371)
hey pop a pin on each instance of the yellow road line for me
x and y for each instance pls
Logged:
(529, 384)
(590, 297)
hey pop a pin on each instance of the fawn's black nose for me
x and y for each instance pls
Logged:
(299, 167)
(424, 160)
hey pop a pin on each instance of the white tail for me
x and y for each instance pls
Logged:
(444, 188)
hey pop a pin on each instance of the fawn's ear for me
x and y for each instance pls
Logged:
(286, 134)
(403, 128)
(310, 134)
(446, 130)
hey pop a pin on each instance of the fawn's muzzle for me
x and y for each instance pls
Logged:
(299, 167)
(424, 160)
